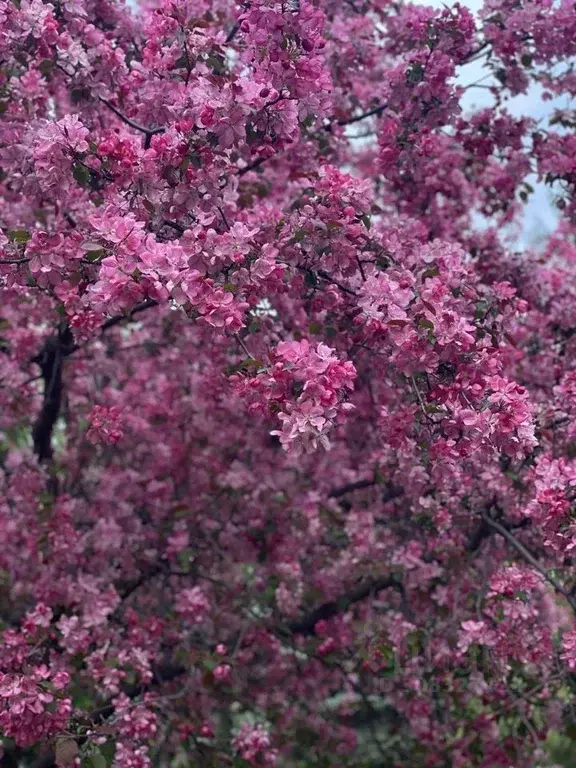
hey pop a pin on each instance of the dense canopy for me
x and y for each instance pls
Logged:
(287, 414)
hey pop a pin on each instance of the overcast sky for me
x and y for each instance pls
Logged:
(541, 214)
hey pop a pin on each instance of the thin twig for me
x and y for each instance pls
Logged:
(326, 276)
(244, 347)
(251, 166)
(233, 32)
(529, 557)
(358, 118)
(421, 401)
(224, 219)
(146, 304)
(361, 268)
(307, 625)
(148, 132)
(175, 225)
(357, 486)
(473, 54)
(235, 27)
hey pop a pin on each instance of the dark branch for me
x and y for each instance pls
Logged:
(162, 674)
(148, 132)
(484, 531)
(306, 625)
(358, 485)
(252, 166)
(233, 32)
(146, 304)
(529, 558)
(169, 672)
(357, 119)
(50, 360)
(235, 27)
(473, 54)
(175, 226)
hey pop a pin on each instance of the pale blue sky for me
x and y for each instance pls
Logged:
(541, 214)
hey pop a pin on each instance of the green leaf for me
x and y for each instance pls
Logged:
(108, 750)
(81, 174)
(250, 363)
(82, 700)
(94, 251)
(310, 279)
(217, 63)
(94, 760)
(415, 74)
(19, 236)
(185, 559)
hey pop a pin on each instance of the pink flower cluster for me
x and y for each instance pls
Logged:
(306, 386)
(32, 707)
(281, 224)
(105, 425)
(193, 604)
(252, 742)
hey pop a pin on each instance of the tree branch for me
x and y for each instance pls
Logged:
(484, 531)
(236, 27)
(357, 486)
(233, 32)
(175, 225)
(251, 166)
(50, 360)
(529, 557)
(358, 118)
(148, 132)
(473, 54)
(307, 624)
(168, 672)
(163, 674)
(112, 321)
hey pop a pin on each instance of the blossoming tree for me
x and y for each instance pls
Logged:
(287, 425)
